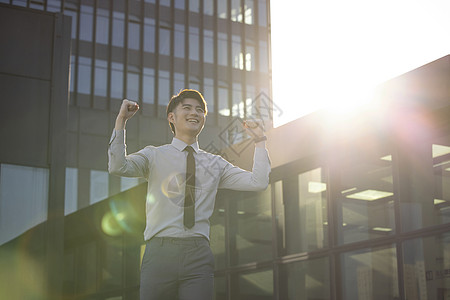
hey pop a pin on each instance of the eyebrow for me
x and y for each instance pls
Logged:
(190, 105)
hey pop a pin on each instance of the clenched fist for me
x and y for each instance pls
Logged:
(127, 110)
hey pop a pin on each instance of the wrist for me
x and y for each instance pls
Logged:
(259, 139)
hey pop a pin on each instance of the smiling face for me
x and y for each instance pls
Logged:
(188, 118)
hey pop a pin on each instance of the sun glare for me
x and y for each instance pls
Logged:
(332, 54)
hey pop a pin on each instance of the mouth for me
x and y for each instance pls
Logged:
(193, 121)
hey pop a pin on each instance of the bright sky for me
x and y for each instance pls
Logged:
(332, 54)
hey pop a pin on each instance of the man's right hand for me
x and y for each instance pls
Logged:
(127, 110)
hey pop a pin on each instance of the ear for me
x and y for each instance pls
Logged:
(170, 117)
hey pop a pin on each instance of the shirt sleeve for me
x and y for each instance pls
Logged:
(119, 163)
(235, 178)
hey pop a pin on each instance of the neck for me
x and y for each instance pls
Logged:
(187, 139)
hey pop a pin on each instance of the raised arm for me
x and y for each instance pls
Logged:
(238, 179)
(119, 163)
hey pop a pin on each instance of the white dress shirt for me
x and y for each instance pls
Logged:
(164, 168)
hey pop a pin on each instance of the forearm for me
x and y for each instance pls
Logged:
(121, 123)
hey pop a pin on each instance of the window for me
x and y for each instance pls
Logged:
(117, 80)
(149, 35)
(257, 285)
(263, 57)
(148, 85)
(84, 75)
(302, 205)
(251, 227)
(179, 41)
(194, 5)
(306, 280)
(99, 186)
(71, 191)
(249, 10)
(102, 26)
(164, 41)
(86, 23)
(366, 198)
(236, 52)
(217, 234)
(164, 88)
(208, 7)
(194, 51)
(178, 82)
(224, 108)
(262, 13)
(222, 9)
(238, 101)
(441, 167)
(101, 69)
(208, 46)
(134, 36)
(118, 29)
(22, 208)
(222, 49)
(370, 274)
(236, 11)
(208, 93)
(133, 86)
(426, 267)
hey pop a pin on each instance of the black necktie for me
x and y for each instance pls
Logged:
(189, 193)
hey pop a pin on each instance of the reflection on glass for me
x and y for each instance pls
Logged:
(222, 9)
(305, 211)
(262, 13)
(148, 85)
(178, 84)
(71, 191)
(102, 26)
(164, 41)
(258, 285)
(249, 9)
(149, 35)
(236, 52)
(253, 221)
(208, 93)
(441, 167)
(23, 199)
(164, 88)
(224, 108)
(116, 80)
(427, 267)
(208, 46)
(84, 75)
(118, 29)
(133, 86)
(220, 288)
(370, 274)
(99, 186)
(263, 57)
(134, 35)
(86, 23)
(305, 280)
(208, 7)
(179, 41)
(238, 104)
(194, 51)
(101, 69)
(222, 49)
(112, 266)
(366, 202)
(236, 11)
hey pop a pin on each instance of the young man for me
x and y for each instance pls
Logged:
(182, 185)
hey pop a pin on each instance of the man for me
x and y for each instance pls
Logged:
(182, 185)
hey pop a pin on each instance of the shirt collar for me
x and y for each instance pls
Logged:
(180, 145)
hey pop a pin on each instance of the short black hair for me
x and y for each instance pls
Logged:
(183, 94)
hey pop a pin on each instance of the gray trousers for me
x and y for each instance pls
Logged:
(177, 269)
